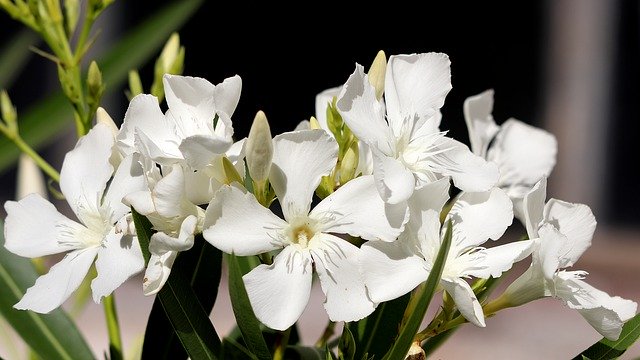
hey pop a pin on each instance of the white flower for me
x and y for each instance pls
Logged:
(408, 149)
(236, 223)
(393, 269)
(186, 133)
(563, 231)
(35, 228)
(524, 154)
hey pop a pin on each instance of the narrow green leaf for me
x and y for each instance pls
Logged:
(375, 334)
(607, 349)
(203, 265)
(410, 328)
(245, 317)
(233, 350)
(51, 336)
(14, 55)
(434, 342)
(144, 230)
(189, 320)
(41, 125)
(347, 345)
(295, 352)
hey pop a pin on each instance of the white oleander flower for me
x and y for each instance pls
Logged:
(236, 223)
(563, 231)
(195, 130)
(35, 228)
(393, 269)
(408, 148)
(524, 154)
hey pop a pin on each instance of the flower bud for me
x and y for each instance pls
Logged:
(103, 117)
(313, 123)
(9, 114)
(94, 81)
(376, 73)
(259, 148)
(230, 171)
(170, 61)
(30, 178)
(71, 15)
(349, 163)
(135, 84)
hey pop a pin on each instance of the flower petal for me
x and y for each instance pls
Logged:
(128, 178)
(144, 114)
(158, 271)
(465, 300)
(86, 171)
(199, 150)
(468, 171)
(416, 84)
(280, 292)
(227, 94)
(498, 259)
(363, 113)
(549, 245)
(394, 181)
(236, 223)
(431, 196)
(300, 159)
(190, 98)
(524, 153)
(576, 222)
(357, 209)
(161, 243)
(391, 270)
(477, 217)
(53, 288)
(482, 128)
(34, 228)
(119, 258)
(533, 207)
(336, 262)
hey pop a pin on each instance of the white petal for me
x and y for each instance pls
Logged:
(357, 209)
(363, 113)
(169, 194)
(158, 271)
(34, 227)
(236, 223)
(498, 259)
(86, 170)
(416, 84)
(30, 179)
(200, 150)
(190, 98)
(161, 243)
(576, 222)
(119, 258)
(482, 128)
(227, 94)
(128, 178)
(144, 114)
(430, 197)
(199, 187)
(164, 151)
(279, 292)
(533, 207)
(468, 171)
(53, 288)
(300, 159)
(465, 300)
(549, 245)
(391, 270)
(477, 217)
(141, 201)
(394, 181)
(322, 102)
(336, 262)
(524, 153)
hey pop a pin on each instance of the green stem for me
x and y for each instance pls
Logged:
(496, 305)
(42, 163)
(281, 344)
(84, 35)
(431, 332)
(111, 314)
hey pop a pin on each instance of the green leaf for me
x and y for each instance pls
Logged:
(306, 353)
(607, 349)
(375, 334)
(202, 264)
(14, 55)
(347, 345)
(434, 342)
(189, 320)
(51, 336)
(41, 125)
(424, 296)
(245, 317)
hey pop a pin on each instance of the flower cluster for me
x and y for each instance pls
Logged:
(385, 173)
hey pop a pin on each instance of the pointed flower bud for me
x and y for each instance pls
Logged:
(259, 148)
(135, 84)
(376, 73)
(349, 163)
(313, 123)
(30, 178)
(71, 15)
(9, 114)
(103, 117)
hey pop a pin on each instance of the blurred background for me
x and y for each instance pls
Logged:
(569, 66)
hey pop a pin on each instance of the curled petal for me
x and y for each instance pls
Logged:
(465, 300)
(576, 222)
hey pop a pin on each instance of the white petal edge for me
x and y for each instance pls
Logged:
(395, 183)
(119, 258)
(465, 300)
(576, 222)
(482, 128)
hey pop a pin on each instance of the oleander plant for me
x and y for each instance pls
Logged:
(370, 199)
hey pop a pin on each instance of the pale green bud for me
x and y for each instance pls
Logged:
(349, 163)
(30, 178)
(230, 171)
(95, 87)
(103, 117)
(170, 53)
(72, 13)
(170, 61)
(9, 114)
(313, 123)
(376, 73)
(135, 84)
(259, 148)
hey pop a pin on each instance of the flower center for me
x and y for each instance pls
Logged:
(301, 235)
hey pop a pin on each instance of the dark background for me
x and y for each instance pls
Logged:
(285, 60)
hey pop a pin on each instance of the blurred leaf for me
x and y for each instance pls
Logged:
(51, 336)
(347, 345)
(189, 320)
(14, 55)
(607, 349)
(245, 317)
(424, 296)
(306, 353)
(375, 333)
(202, 264)
(41, 124)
